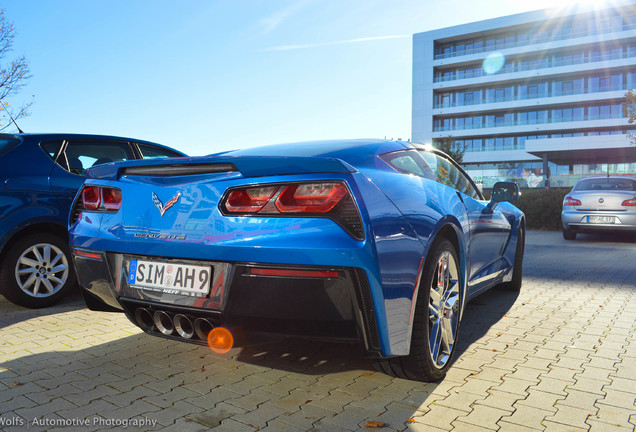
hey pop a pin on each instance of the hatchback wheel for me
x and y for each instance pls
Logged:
(37, 272)
(436, 323)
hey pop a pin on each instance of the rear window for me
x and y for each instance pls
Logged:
(605, 184)
(431, 166)
(7, 144)
(409, 162)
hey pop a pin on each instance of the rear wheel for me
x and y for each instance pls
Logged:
(436, 323)
(568, 234)
(37, 271)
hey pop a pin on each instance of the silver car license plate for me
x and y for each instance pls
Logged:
(601, 219)
(170, 278)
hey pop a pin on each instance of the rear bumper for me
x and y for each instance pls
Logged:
(317, 307)
(577, 221)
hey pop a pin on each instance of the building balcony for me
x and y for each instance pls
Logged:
(539, 46)
(516, 128)
(526, 75)
(518, 104)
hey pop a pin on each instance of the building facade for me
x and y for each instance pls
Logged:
(535, 97)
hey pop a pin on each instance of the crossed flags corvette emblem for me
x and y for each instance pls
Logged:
(164, 207)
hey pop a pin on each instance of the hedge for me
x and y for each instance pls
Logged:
(542, 207)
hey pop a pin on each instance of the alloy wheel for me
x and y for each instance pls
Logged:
(444, 309)
(42, 270)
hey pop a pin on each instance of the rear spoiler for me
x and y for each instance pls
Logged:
(247, 166)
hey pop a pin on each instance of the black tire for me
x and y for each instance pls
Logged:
(517, 269)
(26, 279)
(423, 364)
(568, 234)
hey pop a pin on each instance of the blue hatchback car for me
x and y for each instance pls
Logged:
(380, 242)
(39, 177)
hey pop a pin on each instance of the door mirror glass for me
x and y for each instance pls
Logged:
(505, 191)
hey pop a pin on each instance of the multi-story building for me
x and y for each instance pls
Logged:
(531, 96)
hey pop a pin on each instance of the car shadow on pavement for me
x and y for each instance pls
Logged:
(304, 356)
(11, 313)
(614, 237)
(107, 367)
(320, 357)
(481, 313)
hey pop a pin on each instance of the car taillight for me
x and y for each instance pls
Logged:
(249, 200)
(630, 202)
(310, 198)
(569, 201)
(329, 199)
(101, 198)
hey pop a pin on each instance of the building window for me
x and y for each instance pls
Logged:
(578, 114)
(604, 84)
(594, 84)
(605, 112)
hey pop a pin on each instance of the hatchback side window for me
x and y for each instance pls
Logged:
(153, 152)
(51, 148)
(80, 155)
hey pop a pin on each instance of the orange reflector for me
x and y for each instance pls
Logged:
(220, 340)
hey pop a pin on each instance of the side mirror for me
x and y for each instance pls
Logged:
(503, 192)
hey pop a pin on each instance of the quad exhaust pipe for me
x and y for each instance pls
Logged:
(168, 324)
(183, 325)
(143, 317)
(203, 327)
(163, 322)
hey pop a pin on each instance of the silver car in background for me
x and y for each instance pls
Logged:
(600, 204)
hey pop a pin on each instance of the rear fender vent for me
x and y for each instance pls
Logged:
(365, 302)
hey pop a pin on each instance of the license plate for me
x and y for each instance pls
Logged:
(170, 278)
(601, 219)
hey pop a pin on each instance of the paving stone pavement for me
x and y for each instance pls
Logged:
(558, 356)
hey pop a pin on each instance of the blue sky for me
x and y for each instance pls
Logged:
(205, 76)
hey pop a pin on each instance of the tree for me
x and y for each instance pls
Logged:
(629, 110)
(449, 146)
(14, 75)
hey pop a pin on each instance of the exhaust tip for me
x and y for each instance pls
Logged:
(163, 322)
(183, 326)
(202, 328)
(144, 320)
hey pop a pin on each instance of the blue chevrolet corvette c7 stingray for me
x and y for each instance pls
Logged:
(377, 241)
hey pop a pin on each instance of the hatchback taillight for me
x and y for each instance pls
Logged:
(101, 198)
(630, 202)
(91, 198)
(569, 201)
